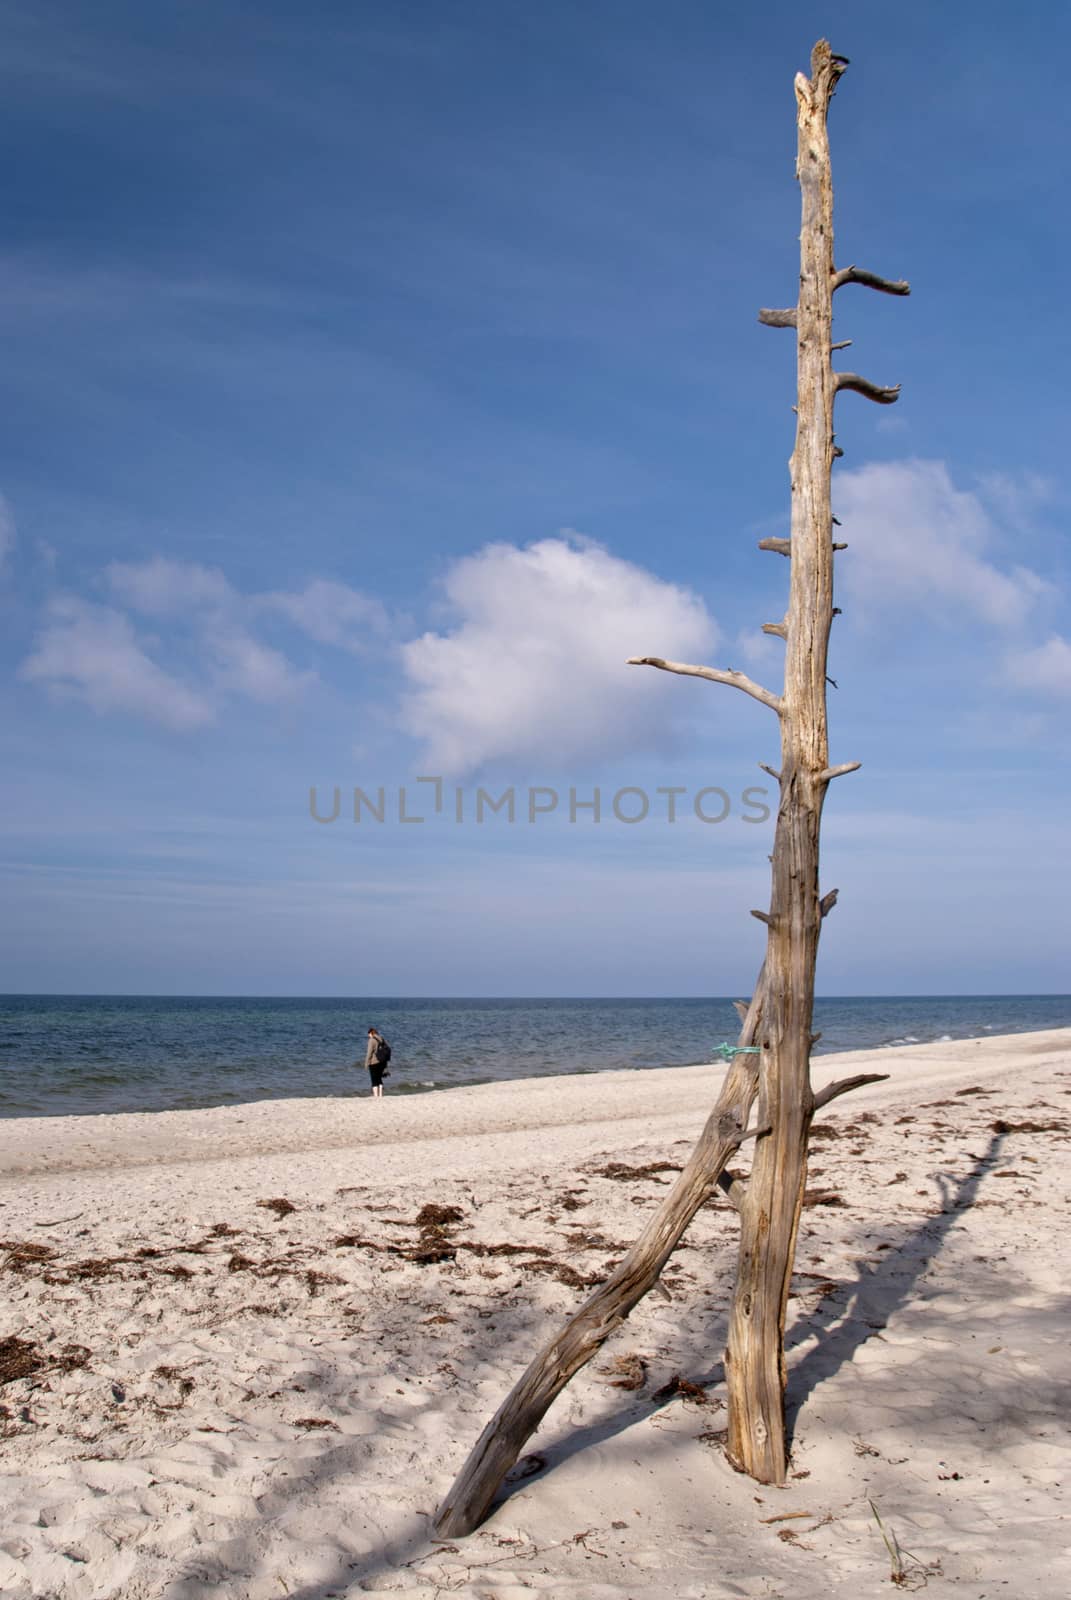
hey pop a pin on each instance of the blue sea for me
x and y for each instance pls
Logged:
(79, 1054)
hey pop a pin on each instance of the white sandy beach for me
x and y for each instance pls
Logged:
(225, 1398)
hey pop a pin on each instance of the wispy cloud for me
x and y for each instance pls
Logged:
(245, 666)
(1018, 497)
(236, 662)
(326, 611)
(918, 542)
(331, 613)
(92, 653)
(533, 665)
(162, 588)
(1045, 668)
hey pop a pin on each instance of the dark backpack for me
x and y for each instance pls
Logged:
(383, 1053)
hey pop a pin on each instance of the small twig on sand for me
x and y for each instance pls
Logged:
(891, 1545)
(921, 1573)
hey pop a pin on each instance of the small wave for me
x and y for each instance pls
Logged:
(78, 1081)
(944, 1038)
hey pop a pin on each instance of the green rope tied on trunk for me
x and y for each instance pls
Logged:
(728, 1051)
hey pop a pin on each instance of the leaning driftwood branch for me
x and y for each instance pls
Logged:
(735, 680)
(501, 1442)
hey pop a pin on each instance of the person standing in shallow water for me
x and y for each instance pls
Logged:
(376, 1057)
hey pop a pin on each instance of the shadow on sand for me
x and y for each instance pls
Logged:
(878, 1291)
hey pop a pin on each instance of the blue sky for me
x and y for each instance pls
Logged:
(377, 377)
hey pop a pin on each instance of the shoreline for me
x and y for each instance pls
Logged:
(257, 1343)
(88, 1142)
(94, 1057)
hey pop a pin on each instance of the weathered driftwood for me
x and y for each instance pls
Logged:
(504, 1437)
(770, 1200)
(770, 1204)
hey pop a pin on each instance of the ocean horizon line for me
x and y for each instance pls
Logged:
(527, 999)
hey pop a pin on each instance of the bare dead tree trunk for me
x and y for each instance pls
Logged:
(781, 1010)
(770, 1205)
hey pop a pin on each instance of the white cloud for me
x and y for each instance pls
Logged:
(92, 653)
(916, 541)
(232, 658)
(759, 650)
(1047, 667)
(1018, 496)
(330, 613)
(255, 670)
(163, 588)
(534, 666)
